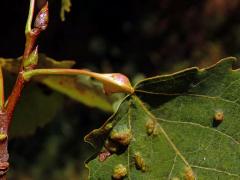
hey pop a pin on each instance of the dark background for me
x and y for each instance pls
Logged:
(128, 36)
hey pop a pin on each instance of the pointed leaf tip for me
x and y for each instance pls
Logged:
(117, 82)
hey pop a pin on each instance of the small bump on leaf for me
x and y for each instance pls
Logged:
(188, 174)
(119, 172)
(218, 118)
(123, 136)
(139, 162)
(150, 126)
(104, 155)
(156, 130)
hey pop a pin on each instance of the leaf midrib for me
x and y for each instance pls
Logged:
(138, 100)
(189, 94)
(162, 131)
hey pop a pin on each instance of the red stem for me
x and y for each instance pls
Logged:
(4, 165)
(19, 84)
(6, 113)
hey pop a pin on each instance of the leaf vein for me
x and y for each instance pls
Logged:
(216, 170)
(173, 165)
(162, 130)
(199, 125)
(194, 95)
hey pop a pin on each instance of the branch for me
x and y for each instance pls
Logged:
(1, 90)
(28, 63)
(113, 83)
(40, 24)
(28, 60)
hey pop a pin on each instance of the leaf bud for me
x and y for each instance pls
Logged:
(32, 60)
(41, 21)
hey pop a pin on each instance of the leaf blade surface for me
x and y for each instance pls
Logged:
(181, 140)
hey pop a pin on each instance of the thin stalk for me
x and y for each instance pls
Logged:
(19, 84)
(31, 36)
(6, 113)
(28, 27)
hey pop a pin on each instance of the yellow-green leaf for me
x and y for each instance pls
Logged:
(79, 88)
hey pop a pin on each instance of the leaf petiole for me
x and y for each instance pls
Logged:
(28, 27)
(112, 83)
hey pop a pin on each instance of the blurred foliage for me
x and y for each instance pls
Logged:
(131, 37)
(56, 151)
(34, 110)
(66, 7)
(80, 88)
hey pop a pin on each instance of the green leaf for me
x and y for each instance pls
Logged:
(79, 88)
(82, 89)
(179, 126)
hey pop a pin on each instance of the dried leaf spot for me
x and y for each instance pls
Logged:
(219, 116)
(119, 172)
(139, 162)
(104, 155)
(122, 136)
(152, 127)
(188, 174)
